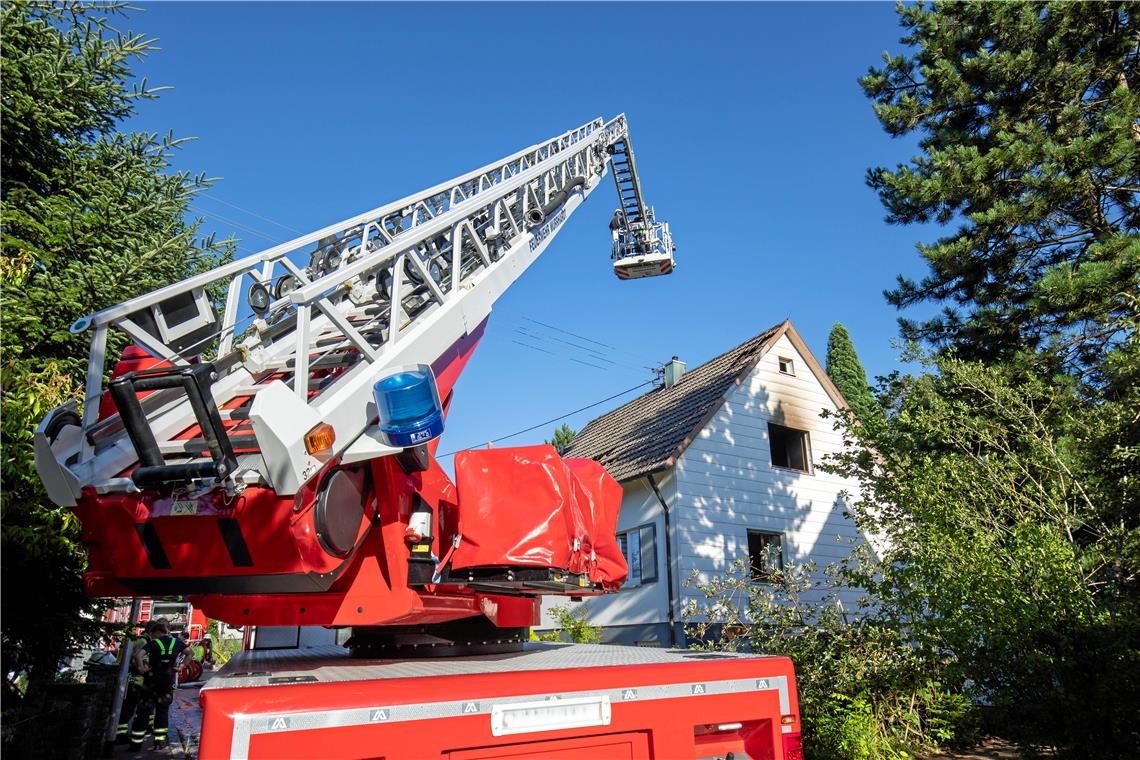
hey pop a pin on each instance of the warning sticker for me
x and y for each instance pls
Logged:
(183, 507)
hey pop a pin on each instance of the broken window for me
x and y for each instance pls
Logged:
(789, 447)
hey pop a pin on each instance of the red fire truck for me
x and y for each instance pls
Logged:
(548, 701)
(276, 465)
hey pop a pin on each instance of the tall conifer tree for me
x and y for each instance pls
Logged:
(1027, 118)
(844, 368)
(91, 216)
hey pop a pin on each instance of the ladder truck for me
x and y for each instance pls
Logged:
(265, 446)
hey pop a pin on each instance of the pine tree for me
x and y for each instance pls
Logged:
(844, 368)
(562, 437)
(1028, 119)
(91, 216)
(1027, 115)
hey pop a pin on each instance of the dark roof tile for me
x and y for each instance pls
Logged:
(648, 433)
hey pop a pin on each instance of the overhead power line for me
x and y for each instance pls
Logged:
(239, 225)
(252, 213)
(589, 340)
(547, 422)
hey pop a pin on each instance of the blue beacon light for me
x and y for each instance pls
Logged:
(408, 403)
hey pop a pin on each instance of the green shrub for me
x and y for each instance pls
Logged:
(866, 690)
(573, 625)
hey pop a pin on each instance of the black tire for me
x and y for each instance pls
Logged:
(59, 422)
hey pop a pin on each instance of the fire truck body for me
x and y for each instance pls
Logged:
(273, 464)
(549, 701)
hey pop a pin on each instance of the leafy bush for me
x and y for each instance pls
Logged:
(866, 690)
(573, 625)
(1005, 561)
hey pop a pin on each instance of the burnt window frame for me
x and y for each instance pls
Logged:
(805, 447)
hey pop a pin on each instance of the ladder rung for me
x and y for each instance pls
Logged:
(198, 445)
(241, 413)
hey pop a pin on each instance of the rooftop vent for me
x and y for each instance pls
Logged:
(673, 371)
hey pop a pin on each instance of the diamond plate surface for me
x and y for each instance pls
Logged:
(334, 665)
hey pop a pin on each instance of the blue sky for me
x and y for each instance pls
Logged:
(752, 139)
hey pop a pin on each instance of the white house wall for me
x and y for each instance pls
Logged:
(726, 483)
(643, 604)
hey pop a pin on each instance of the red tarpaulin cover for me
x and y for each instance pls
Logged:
(528, 506)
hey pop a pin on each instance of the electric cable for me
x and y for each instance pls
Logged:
(251, 213)
(589, 359)
(226, 220)
(589, 353)
(610, 353)
(589, 340)
(536, 348)
(547, 422)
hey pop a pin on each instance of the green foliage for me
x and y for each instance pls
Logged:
(1027, 118)
(90, 217)
(844, 367)
(563, 436)
(573, 625)
(1003, 481)
(865, 690)
(224, 650)
(1003, 559)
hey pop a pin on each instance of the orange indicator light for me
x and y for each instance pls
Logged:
(320, 438)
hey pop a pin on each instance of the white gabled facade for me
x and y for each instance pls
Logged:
(727, 483)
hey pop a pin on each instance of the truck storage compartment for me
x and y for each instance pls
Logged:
(547, 701)
(528, 508)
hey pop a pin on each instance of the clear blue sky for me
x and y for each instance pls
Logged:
(751, 132)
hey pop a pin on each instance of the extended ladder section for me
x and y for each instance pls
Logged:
(308, 326)
(625, 177)
(642, 246)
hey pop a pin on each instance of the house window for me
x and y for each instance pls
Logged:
(765, 554)
(787, 366)
(639, 545)
(789, 447)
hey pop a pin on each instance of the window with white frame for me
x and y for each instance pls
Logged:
(639, 545)
(787, 366)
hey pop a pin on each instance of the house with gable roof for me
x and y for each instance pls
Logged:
(718, 465)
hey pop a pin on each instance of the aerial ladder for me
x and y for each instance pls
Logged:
(275, 463)
(239, 458)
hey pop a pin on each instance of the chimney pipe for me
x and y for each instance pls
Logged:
(673, 371)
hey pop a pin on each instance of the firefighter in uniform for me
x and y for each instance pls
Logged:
(134, 689)
(158, 661)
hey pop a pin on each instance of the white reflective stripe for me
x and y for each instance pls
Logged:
(245, 725)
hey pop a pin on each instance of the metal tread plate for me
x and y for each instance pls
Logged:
(332, 664)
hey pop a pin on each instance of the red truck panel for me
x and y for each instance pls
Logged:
(552, 700)
(527, 506)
